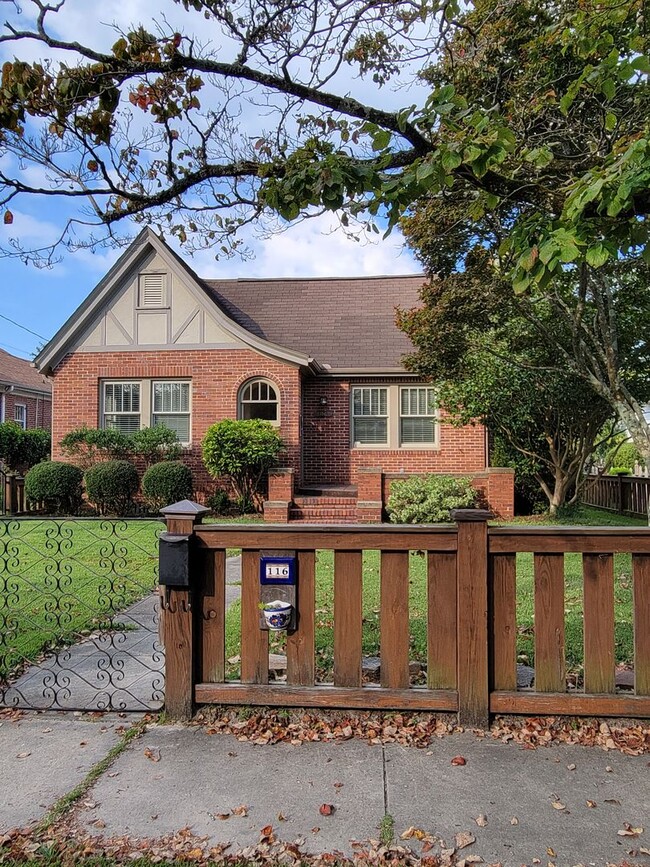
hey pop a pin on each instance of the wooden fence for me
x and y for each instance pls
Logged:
(627, 495)
(472, 624)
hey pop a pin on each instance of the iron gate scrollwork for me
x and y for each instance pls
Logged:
(79, 614)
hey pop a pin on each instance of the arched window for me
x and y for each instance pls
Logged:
(258, 398)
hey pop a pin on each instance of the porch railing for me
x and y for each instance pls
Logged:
(471, 578)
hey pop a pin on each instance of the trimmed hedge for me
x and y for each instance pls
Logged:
(56, 485)
(111, 486)
(429, 499)
(166, 483)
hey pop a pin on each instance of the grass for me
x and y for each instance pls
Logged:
(61, 579)
(582, 516)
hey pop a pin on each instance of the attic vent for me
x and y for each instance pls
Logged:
(152, 290)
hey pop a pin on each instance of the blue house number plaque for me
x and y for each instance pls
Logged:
(278, 570)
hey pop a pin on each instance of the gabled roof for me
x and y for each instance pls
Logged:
(340, 324)
(20, 373)
(345, 323)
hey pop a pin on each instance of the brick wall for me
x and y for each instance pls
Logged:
(496, 484)
(216, 376)
(39, 409)
(328, 456)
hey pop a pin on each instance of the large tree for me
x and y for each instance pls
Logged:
(536, 125)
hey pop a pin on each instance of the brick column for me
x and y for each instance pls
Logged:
(370, 504)
(276, 508)
(501, 491)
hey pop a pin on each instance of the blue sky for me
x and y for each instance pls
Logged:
(42, 300)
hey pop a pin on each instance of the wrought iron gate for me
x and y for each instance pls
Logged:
(79, 614)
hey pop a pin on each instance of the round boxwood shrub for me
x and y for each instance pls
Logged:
(166, 483)
(55, 485)
(110, 486)
(429, 499)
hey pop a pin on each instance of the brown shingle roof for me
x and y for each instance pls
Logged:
(17, 371)
(343, 322)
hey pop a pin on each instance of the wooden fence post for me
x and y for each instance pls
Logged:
(472, 616)
(177, 618)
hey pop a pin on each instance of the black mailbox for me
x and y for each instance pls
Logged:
(174, 560)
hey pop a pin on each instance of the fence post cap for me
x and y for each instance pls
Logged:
(460, 515)
(185, 509)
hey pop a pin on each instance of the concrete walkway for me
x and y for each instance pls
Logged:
(174, 777)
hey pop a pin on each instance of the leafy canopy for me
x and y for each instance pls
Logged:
(149, 128)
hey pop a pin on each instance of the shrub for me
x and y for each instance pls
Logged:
(166, 483)
(242, 451)
(154, 444)
(56, 485)
(219, 502)
(110, 486)
(20, 448)
(625, 457)
(619, 471)
(88, 446)
(429, 499)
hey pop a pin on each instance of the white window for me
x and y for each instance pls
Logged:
(370, 416)
(152, 290)
(259, 399)
(171, 407)
(417, 416)
(122, 406)
(20, 415)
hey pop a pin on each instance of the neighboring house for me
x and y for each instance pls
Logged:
(321, 358)
(25, 394)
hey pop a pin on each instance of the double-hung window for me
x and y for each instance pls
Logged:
(417, 416)
(370, 415)
(128, 406)
(171, 407)
(20, 414)
(122, 406)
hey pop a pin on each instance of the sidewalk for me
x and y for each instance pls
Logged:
(563, 805)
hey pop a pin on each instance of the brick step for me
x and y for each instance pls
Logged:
(330, 514)
(338, 519)
(301, 500)
(316, 490)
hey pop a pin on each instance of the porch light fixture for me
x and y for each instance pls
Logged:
(323, 401)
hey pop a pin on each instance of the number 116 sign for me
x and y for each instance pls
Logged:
(277, 570)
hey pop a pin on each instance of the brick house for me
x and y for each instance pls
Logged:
(321, 358)
(25, 394)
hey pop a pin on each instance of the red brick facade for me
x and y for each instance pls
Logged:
(38, 409)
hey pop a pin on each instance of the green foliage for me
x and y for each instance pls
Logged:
(111, 486)
(153, 444)
(243, 451)
(55, 485)
(20, 448)
(89, 446)
(166, 483)
(219, 502)
(429, 499)
(620, 471)
(625, 457)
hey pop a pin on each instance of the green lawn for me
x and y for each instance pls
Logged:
(61, 579)
(418, 603)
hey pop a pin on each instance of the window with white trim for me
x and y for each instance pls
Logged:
(370, 416)
(129, 405)
(20, 415)
(152, 290)
(417, 415)
(258, 398)
(171, 407)
(122, 406)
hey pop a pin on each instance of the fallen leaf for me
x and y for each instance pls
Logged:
(282, 817)
(551, 853)
(591, 803)
(464, 838)
(481, 820)
(411, 832)
(326, 809)
(222, 816)
(514, 821)
(558, 805)
(571, 767)
(459, 761)
(23, 755)
(241, 810)
(152, 754)
(470, 859)
(338, 785)
(609, 769)
(612, 801)
(315, 829)
(629, 831)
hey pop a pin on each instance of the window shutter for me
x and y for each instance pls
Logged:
(152, 290)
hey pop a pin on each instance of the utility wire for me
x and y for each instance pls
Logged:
(13, 322)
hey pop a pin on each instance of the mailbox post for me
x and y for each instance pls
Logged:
(175, 577)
